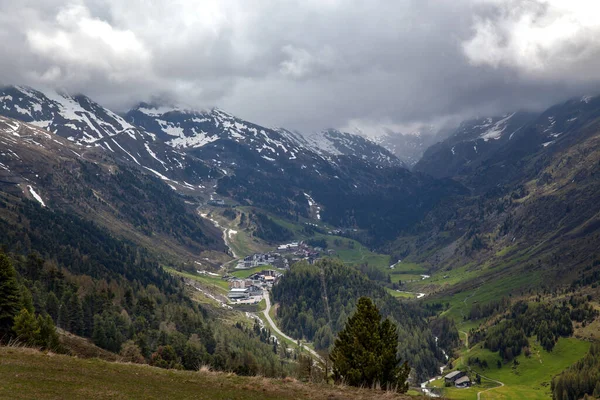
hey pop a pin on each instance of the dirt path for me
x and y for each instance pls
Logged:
(276, 329)
(487, 390)
(466, 339)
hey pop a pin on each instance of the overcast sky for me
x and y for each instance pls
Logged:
(309, 64)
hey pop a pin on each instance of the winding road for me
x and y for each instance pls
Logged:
(276, 329)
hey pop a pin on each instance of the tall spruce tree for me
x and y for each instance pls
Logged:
(10, 297)
(365, 351)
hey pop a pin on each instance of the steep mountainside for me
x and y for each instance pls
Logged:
(409, 147)
(87, 181)
(356, 183)
(471, 144)
(285, 172)
(87, 124)
(334, 142)
(535, 215)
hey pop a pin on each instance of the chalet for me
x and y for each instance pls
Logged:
(463, 382)
(453, 376)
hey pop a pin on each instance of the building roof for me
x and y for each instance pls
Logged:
(464, 379)
(239, 290)
(453, 374)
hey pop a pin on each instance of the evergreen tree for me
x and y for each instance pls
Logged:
(75, 315)
(365, 351)
(52, 306)
(26, 328)
(48, 337)
(10, 297)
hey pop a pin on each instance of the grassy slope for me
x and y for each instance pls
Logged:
(29, 374)
(215, 283)
(529, 380)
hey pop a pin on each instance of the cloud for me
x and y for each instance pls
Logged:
(542, 40)
(312, 64)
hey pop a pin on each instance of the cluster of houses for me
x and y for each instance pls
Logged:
(298, 251)
(457, 378)
(260, 259)
(251, 289)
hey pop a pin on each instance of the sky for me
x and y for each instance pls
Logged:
(377, 65)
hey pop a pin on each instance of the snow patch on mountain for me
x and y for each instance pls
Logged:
(36, 196)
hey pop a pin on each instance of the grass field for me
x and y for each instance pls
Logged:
(530, 379)
(214, 283)
(403, 295)
(244, 273)
(30, 374)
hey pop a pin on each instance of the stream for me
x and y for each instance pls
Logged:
(426, 391)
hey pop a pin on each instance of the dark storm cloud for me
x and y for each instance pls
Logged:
(309, 64)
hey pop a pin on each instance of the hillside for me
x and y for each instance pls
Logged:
(88, 182)
(31, 374)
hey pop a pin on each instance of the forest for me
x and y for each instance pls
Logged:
(546, 322)
(75, 275)
(316, 300)
(581, 379)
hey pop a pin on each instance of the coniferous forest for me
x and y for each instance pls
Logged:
(316, 300)
(73, 274)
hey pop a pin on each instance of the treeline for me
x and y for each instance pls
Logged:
(479, 311)
(316, 300)
(269, 230)
(580, 380)
(89, 283)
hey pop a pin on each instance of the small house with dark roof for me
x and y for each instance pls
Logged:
(463, 382)
(453, 376)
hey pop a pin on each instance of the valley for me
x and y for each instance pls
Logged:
(191, 238)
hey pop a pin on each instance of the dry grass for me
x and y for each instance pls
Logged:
(28, 373)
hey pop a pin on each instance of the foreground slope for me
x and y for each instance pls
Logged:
(31, 374)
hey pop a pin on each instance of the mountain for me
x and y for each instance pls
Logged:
(87, 124)
(93, 183)
(334, 142)
(409, 147)
(355, 182)
(471, 144)
(532, 218)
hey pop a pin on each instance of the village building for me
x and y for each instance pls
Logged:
(238, 293)
(463, 382)
(453, 376)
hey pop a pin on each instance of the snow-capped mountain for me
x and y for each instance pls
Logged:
(76, 118)
(88, 124)
(189, 129)
(334, 142)
(352, 182)
(488, 151)
(471, 143)
(95, 184)
(409, 147)
(198, 131)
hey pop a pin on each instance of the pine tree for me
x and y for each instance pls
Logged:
(365, 351)
(26, 328)
(75, 315)
(10, 297)
(52, 306)
(48, 337)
